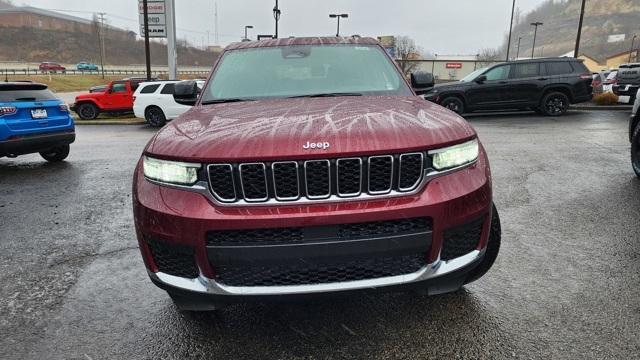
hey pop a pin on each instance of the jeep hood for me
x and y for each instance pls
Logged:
(87, 96)
(277, 129)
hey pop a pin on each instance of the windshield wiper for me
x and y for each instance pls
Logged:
(222, 101)
(26, 99)
(326, 95)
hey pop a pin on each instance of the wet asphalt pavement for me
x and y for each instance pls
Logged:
(566, 283)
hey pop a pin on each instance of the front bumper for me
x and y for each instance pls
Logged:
(28, 144)
(184, 218)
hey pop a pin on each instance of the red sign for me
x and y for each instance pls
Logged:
(454, 65)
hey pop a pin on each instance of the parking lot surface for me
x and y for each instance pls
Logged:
(566, 283)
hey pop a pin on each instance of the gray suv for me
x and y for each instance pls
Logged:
(634, 135)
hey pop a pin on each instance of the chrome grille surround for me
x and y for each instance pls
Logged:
(318, 180)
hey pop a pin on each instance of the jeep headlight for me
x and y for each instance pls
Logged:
(454, 156)
(170, 172)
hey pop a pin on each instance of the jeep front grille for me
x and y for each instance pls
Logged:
(316, 180)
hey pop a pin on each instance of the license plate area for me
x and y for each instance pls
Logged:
(39, 114)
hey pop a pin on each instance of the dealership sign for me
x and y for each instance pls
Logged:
(455, 65)
(156, 18)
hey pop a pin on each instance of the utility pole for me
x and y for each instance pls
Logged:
(633, 40)
(276, 16)
(245, 31)
(215, 21)
(101, 32)
(518, 52)
(535, 34)
(338, 16)
(145, 13)
(172, 54)
(513, 9)
(577, 50)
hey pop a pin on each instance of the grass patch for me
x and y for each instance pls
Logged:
(65, 83)
(605, 99)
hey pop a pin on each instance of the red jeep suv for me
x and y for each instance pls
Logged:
(307, 166)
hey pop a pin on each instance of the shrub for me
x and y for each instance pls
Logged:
(605, 99)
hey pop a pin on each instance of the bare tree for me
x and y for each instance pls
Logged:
(487, 57)
(406, 51)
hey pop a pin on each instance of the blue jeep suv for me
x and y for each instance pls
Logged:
(34, 120)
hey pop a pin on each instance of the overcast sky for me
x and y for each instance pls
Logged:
(438, 26)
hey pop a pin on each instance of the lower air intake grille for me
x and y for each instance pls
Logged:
(320, 273)
(294, 235)
(173, 259)
(461, 240)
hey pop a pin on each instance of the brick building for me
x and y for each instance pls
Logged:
(35, 18)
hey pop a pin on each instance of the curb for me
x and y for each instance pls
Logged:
(135, 121)
(602, 107)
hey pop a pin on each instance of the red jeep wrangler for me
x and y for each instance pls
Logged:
(117, 98)
(307, 166)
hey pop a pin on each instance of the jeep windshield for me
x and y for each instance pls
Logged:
(304, 71)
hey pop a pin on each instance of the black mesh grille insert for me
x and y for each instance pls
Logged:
(318, 178)
(221, 180)
(292, 235)
(382, 228)
(173, 259)
(410, 171)
(380, 172)
(285, 179)
(253, 181)
(349, 176)
(300, 273)
(461, 240)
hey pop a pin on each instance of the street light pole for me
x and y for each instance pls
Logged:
(577, 50)
(518, 52)
(245, 31)
(535, 34)
(633, 40)
(276, 16)
(338, 16)
(513, 8)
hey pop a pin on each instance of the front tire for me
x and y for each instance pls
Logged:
(555, 104)
(493, 248)
(454, 104)
(88, 111)
(56, 154)
(155, 117)
(635, 150)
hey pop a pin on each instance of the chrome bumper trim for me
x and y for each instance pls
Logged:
(205, 285)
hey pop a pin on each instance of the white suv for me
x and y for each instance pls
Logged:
(154, 102)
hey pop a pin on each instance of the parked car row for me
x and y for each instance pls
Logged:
(115, 98)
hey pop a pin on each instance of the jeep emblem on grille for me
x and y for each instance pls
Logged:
(314, 145)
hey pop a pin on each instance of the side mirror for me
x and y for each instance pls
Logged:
(480, 79)
(421, 82)
(186, 92)
(109, 90)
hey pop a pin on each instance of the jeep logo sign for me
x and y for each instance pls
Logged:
(313, 145)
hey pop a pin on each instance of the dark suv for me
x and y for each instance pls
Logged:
(547, 86)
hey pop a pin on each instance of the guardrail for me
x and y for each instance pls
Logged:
(5, 72)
